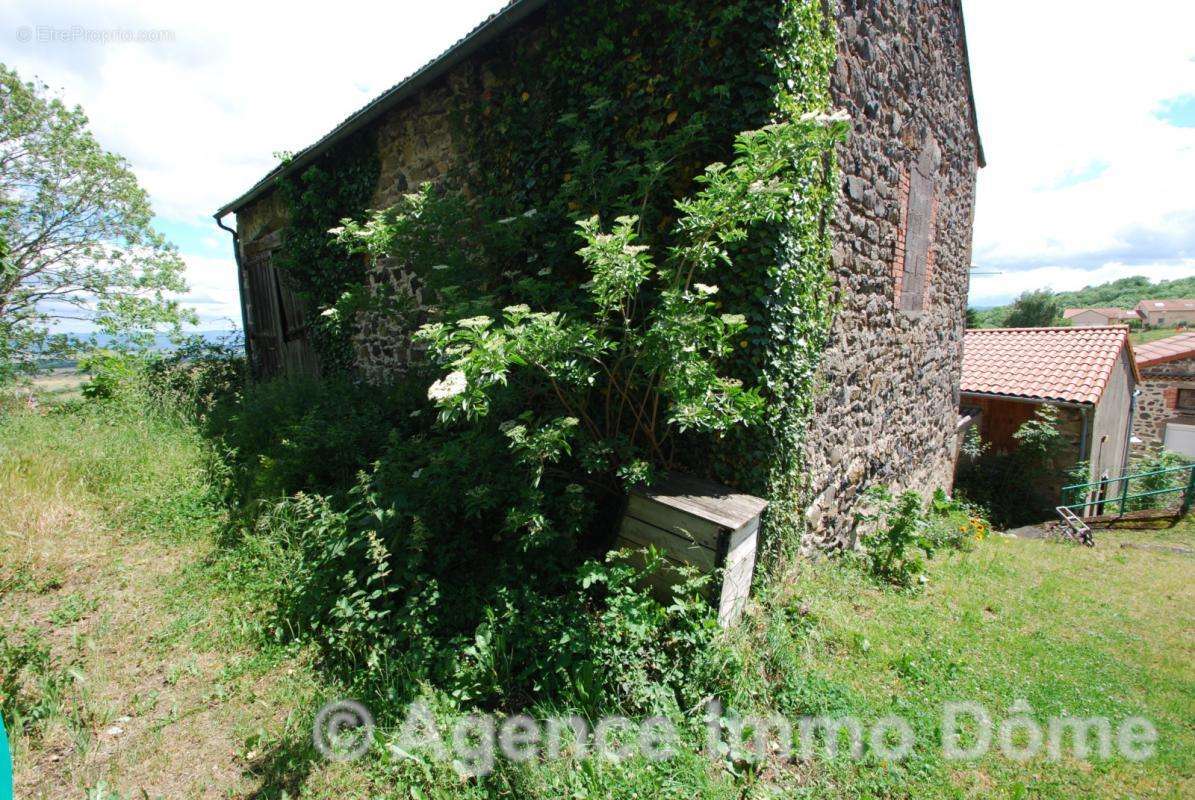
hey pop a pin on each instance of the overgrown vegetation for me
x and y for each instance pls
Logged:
(1163, 480)
(824, 638)
(903, 532)
(337, 186)
(1018, 487)
(615, 138)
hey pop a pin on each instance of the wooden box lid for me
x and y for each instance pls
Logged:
(705, 500)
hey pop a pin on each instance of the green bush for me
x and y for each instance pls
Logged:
(112, 372)
(197, 377)
(394, 607)
(1156, 462)
(302, 434)
(900, 532)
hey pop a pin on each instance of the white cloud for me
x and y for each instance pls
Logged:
(1083, 177)
(213, 293)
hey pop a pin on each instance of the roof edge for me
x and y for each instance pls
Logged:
(1166, 358)
(496, 25)
(1067, 328)
(1133, 366)
(980, 157)
(1029, 398)
(499, 23)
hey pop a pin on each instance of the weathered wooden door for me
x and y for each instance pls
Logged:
(277, 316)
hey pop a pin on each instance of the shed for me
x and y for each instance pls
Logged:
(1087, 373)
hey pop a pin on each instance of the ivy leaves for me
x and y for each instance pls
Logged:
(646, 359)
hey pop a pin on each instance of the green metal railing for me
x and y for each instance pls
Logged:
(1100, 493)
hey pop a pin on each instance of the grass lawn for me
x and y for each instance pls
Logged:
(136, 661)
(1108, 631)
(1153, 334)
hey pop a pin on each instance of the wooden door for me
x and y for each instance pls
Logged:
(277, 316)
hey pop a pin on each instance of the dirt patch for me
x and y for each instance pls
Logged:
(138, 693)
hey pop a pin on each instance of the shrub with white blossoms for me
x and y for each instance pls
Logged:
(614, 385)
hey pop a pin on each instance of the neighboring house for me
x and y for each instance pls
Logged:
(1166, 408)
(1167, 313)
(890, 374)
(1099, 317)
(1088, 374)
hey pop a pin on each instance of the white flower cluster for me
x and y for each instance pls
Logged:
(449, 386)
(481, 321)
(826, 118)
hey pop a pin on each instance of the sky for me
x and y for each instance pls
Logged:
(1087, 110)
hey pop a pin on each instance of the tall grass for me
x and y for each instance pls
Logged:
(143, 470)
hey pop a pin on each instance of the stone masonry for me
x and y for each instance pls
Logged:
(1157, 404)
(888, 386)
(887, 411)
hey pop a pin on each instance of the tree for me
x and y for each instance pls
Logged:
(78, 243)
(1037, 309)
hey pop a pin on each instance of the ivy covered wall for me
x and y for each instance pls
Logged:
(612, 108)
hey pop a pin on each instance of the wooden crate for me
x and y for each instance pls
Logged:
(699, 523)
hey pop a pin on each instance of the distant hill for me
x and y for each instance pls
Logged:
(162, 342)
(1124, 293)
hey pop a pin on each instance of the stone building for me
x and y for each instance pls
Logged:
(1087, 374)
(1166, 406)
(888, 385)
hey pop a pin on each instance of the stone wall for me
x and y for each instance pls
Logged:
(1156, 404)
(888, 407)
(887, 400)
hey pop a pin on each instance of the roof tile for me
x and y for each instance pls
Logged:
(1162, 350)
(1065, 364)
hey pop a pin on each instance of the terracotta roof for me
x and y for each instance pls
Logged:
(1111, 313)
(1166, 305)
(1064, 364)
(1171, 349)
